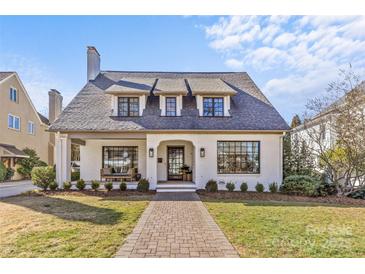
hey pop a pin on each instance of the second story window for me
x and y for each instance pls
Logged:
(170, 106)
(213, 106)
(128, 106)
(31, 127)
(13, 94)
(13, 122)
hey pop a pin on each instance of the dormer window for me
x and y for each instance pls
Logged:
(128, 106)
(170, 106)
(213, 106)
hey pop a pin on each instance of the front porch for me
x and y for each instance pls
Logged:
(169, 165)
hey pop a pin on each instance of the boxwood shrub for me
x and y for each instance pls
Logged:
(211, 186)
(95, 185)
(67, 185)
(230, 186)
(259, 187)
(143, 185)
(80, 184)
(53, 185)
(244, 187)
(123, 186)
(273, 187)
(43, 176)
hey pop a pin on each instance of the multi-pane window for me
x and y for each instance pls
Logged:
(170, 106)
(213, 106)
(13, 94)
(238, 157)
(120, 158)
(13, 122)
(128, 106)
(31, 127)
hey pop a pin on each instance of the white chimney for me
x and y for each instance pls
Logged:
(54, 105)
(93, 63)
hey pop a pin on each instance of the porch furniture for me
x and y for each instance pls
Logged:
(108, 174)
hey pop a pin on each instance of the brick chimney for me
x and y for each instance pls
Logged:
(93, 63)
(54, 105)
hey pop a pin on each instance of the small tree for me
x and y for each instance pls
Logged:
(340, 112)
(27, 164)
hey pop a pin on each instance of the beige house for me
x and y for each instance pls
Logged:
(21, 125)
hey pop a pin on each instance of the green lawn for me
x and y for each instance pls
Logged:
(277, 229)
(67, 225)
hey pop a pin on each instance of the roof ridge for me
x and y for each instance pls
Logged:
(175, 72)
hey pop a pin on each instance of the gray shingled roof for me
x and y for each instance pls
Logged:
(43, 118)
(210, 86)
(5, 74)
(167, 86)
(133, 85)
(91, 108)
(13, 151)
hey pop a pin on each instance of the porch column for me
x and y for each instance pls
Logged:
(63, 158)
(151, 162)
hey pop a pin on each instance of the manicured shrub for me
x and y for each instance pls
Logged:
(259, 187)
(53, 185)
(123, 186)
(230, 186)
(80, 184)
(43, 176)
(244, 187)
(273, 187)
(143, 185)
(211, 186)
(67, 185)
(300, 185)
(75, 175)
(3, 171)
(108, 186)
(95, 185)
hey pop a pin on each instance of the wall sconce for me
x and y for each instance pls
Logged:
(150, 152)
(202, 152)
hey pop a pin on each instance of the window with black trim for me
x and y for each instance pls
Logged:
(213, 106)
(170, 106)
(238, 157)
(128, 106)
(120, 158)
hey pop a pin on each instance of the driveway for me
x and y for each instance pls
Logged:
(8, 189)
(176, 225)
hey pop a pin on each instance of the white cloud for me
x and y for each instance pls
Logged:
(304, 52)
(234, 64)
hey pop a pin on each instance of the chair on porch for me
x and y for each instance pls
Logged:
(107, 174)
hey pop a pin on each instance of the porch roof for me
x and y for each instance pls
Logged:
(12, 151)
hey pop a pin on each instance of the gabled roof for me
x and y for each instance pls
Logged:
(207, 86)
(6, 75)
(133, 85)
(90, 110)
(166, 86)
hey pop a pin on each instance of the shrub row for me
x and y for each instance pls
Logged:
(212, 186)
(44, 177)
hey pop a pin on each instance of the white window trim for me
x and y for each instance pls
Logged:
(13, 128)
(226, 104)
(33, 128)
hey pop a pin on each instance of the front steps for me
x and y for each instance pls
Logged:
(175, 187)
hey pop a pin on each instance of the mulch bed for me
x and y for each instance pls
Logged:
(254, 196)
(89, 192)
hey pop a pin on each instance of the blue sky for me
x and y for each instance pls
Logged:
(291, 59)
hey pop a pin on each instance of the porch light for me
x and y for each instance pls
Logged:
(202, 152)
(150, 152)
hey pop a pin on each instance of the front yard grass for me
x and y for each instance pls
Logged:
(67, 225)
(290, 229)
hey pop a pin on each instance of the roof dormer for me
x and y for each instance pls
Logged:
(213, 96)
(170, 92)
(130, 95)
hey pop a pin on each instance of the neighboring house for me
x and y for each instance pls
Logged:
(182, 128)
(21, 125)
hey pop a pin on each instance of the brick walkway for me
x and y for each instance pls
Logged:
(176, 225)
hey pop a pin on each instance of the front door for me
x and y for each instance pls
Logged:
(175, 161)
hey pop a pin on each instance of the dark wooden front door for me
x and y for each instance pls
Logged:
(175, 161)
